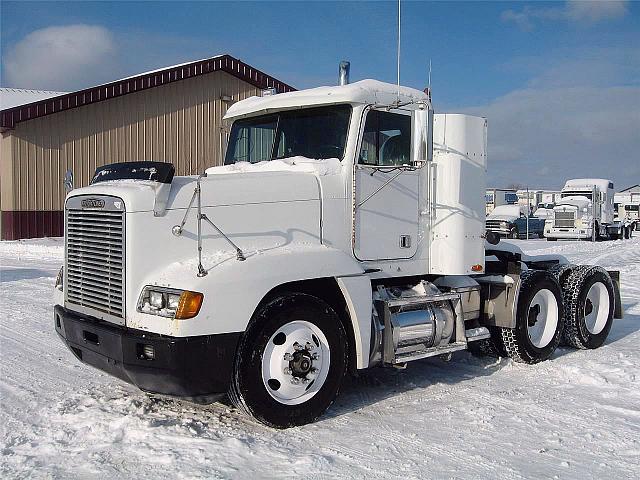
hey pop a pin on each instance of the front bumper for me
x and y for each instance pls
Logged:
(503, 232)
(580, 233)
(197, 368)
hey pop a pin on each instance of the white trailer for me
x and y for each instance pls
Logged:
(585, 211)
(344, 232)
(495, 197)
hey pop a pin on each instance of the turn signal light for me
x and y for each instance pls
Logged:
(189, 306)
(476, 268)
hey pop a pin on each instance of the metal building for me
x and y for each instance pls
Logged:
(173, 115)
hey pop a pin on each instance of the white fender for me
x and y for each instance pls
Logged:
(233, 289)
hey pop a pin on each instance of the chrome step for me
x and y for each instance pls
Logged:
(474, 334)
(429, 352)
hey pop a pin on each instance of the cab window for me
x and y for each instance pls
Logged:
(386, 140)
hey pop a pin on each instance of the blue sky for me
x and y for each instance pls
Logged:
(541, 71)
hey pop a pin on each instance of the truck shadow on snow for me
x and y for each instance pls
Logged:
(378, 384)
(368, 388)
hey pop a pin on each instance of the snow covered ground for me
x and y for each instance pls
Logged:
(575, 416)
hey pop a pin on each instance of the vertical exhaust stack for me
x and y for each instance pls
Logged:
(343, 72)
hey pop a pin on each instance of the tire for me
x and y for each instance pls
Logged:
(281, 384)
(541, 234)
(561, 273)
(549, 239)
(513, 233)
(539, 313)
(589, 306)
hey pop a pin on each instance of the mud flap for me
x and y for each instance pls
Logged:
(615, 277)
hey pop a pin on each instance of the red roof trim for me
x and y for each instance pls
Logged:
(225, 63)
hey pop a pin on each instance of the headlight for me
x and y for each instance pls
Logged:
(170, 302)
(578, 222)
(60, 279)
(503, 224)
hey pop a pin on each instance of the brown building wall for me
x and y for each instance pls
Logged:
(180, 122)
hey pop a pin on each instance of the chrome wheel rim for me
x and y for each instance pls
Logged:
(295, 362)
(596, 308)
(542, 318)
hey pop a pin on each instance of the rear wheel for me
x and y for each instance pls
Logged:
(290, 362)
(589, 302)
(538, 328)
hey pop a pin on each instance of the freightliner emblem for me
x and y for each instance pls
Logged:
(92, 203)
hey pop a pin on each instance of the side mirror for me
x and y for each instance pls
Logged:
(68, 181)
(422, 136)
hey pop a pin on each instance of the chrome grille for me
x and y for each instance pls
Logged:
(493, 224)
(564, 219)
(94, 273)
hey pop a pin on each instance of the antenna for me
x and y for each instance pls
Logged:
(429, 79)
(398, 95)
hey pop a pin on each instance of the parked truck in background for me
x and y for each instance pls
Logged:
(515, 221)
(494, 197)
(626, 207)
(585, 211)
(344, 232)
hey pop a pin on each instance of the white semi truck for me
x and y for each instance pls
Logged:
(585, 211)
(626, 209)
(345, 231)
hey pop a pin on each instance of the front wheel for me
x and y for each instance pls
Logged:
(538, 328)
(290, 362)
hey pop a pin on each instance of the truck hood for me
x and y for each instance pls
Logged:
(506, 218)
(240, 188)
(506, 212)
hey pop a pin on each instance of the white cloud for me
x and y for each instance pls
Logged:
(62, 58)
(544, 136)
(578, 121)
(575, 11)
(595, 11)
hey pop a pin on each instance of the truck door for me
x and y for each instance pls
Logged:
(387, 189)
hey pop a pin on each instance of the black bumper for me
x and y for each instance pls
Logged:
(197, 368)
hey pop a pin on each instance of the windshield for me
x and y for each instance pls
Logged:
(317, 133)
(576, 193)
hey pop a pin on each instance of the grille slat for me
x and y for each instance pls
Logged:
(87, 257)
(564, 219)
(95, 260)
(493, 224)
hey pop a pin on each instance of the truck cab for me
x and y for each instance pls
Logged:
(344, 231)
(584, 211)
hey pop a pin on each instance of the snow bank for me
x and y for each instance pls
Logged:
(320, 167)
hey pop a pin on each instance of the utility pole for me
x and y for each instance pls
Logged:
(528, 210)
(593, 213)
